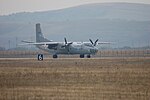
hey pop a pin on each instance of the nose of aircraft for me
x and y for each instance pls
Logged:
(94, 50)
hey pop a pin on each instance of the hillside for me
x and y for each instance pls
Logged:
(126, 11)
(127, 23)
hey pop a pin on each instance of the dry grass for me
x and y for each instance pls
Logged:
(102, 53)
(74, 79)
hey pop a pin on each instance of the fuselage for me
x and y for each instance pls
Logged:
(74, 48)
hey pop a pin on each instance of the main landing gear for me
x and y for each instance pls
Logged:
(82, 56)
(88, 56)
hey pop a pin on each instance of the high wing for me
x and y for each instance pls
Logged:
(98, 43)
(94, 43)
(51, 43)
(41, 43)
(105, 42)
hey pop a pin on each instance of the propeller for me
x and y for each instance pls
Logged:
(67, 44)
(93, 43)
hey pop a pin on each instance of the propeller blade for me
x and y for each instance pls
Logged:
(65, 41)
(95, 42)
(91, 41)
(67, 45)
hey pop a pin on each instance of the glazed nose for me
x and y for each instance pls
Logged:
(96, 50)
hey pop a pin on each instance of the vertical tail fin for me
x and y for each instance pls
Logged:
(39, 35)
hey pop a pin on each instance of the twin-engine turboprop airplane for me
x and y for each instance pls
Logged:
(55, 48)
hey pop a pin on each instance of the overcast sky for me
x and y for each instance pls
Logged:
(13, 6)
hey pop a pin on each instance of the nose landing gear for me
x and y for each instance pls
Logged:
(55, 56)
(88, 56)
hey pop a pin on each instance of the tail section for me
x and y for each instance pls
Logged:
(39, 35)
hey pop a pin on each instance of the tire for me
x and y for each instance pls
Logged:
(88, 56)
(82, 56)
(55, 56)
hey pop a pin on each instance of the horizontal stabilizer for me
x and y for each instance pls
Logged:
(26, 41)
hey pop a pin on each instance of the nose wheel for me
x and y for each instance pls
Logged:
(55, 56)
(88, 56)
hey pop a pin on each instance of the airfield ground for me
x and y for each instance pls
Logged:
(123, 78)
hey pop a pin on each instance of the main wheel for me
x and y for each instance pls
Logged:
(82, 56)
(55, 56)
(88, 56)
